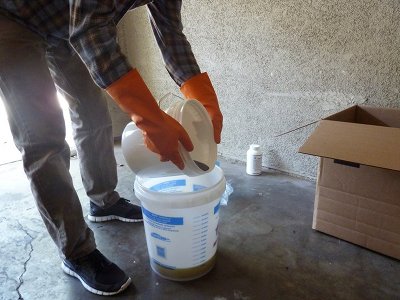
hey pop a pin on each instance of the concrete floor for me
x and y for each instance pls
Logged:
(267, 249)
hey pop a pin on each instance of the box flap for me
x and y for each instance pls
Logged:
(370, 145)
(366, 115)
(346, 115)
(389, 116)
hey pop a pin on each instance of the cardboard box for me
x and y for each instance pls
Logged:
(357, 195)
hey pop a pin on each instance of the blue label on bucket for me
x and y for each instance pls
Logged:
(163, 265)
(168, 184)
(160, 251)
(160, 237)
(162, 219)
(197, 187)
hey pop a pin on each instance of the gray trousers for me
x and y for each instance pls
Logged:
(31, 72)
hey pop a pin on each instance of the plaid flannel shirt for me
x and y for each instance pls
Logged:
(90, 27)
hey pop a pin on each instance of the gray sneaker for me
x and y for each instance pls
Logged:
(97, 274)
(123, 210)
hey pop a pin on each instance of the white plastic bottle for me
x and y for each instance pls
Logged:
(254, 160)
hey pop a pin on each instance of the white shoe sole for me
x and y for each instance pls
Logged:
(90, 289)
(112, 217)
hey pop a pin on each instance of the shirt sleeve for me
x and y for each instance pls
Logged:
(93, 35)
(166, 22)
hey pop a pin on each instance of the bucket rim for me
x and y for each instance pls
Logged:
(174, 200)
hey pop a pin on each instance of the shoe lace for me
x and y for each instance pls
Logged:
(124, 202)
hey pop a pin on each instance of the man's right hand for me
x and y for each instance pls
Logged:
(164, 141)
(162, 133)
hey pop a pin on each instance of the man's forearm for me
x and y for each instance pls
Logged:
(165, 17)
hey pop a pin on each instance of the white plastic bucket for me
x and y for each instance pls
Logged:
(194, 118)
(181, 216)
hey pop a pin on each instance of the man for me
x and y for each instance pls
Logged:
(71, 46)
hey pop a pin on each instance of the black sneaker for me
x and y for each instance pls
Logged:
(97, 274)
(123, 210)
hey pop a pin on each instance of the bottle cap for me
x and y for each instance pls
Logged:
(254, 147)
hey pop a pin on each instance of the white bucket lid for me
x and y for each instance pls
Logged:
(192, 115)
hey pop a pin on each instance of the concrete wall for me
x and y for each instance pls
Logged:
(277, 65)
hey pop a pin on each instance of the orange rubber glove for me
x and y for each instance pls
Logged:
(160, 131)
(199, 87)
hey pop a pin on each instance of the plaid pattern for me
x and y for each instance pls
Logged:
(90, 27)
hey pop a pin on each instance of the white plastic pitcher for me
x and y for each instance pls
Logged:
(181, 216)
(195, 120)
